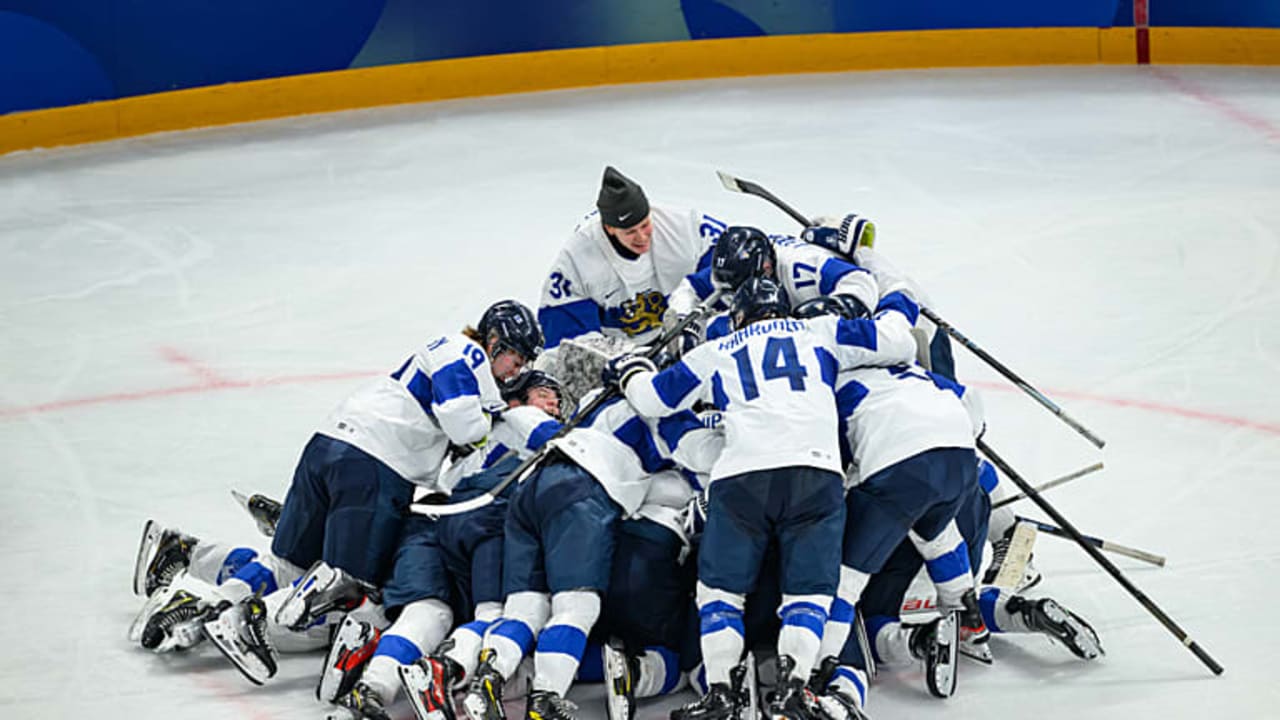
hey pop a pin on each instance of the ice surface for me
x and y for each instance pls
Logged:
(178, 312)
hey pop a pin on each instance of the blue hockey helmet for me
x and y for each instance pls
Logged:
(515, 328)
(846, 306)
(757, 299)
(740, 253)
(518, 387)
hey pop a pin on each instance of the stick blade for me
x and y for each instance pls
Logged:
(731, 183)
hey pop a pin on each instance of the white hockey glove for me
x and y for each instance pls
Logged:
(843, 235)
(618, 371)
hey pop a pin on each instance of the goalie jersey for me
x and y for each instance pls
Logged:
(442, 393)
(592, 288)
(774, 382)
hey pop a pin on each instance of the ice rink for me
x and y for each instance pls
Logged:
(179, 311)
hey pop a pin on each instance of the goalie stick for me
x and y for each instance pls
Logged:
(1101, 559)
(457, 508)
(1051, 484)
(747, 187)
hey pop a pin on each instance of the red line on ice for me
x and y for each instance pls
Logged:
(1220, 104)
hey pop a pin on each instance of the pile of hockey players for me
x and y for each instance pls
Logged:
(746, 507)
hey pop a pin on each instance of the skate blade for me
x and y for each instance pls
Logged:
(223, 634)
(420, 690)
(477, 709)
(617, 684)
(158, 600)
(752, 710)
(941, 677)
(293, 611)
(345, 662)
(980, 652)
(146, 552)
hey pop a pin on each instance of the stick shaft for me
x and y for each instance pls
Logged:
(1101, 544)
(1051, 484)
(1102, 560)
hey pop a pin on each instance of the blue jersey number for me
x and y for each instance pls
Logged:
(559, 286)
(798, 272)
(780, 361)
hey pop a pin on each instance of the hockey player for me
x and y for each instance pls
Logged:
(778, 476)
(615, 273)
(358, 473)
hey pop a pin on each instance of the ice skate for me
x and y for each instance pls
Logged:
(937, 643)
(239, 631)
(353, 645)
(363, 702)
(173, 623)
(323, 589)
(793, 700)
(484, 698)
(1001, 555)
(429, 684)
(547, 705)
(265, 511)
(1070, 630)
(621, 671)
(162, 554)
(836, 704)
(718, 704)
(974, 635)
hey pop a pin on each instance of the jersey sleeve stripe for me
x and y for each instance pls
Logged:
(635, 434)
(561, 322)
(899, 301)
(832, 272)
(453, 381)
(674, 427)
(828, 365)
(542, 434)
(675, 383)
(718, 327)
(701, 283)
(718, 395)
(858, 333)
(419, 387)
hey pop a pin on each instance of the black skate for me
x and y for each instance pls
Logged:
(364, 702)
(1047, 616)
(265, 511)
(1030, 576)
(547, 705)
(836, 704)
(484, 698)
(323, 589)
(175, 623)
(621, 671)
(718, 704)
(793, 700)
(974, 635)
(239, 631)
(937, 643)
(429, 684)
(353, 645)
(162, 554)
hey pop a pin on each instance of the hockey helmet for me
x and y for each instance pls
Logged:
(740, 253)
(758, 298)
(515, 328)
(846, 306)
(518, 387)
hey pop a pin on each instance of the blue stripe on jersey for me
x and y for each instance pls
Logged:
(833, 271)
(691, 477)
(674, 427)
(541, 434)
(900, 302)
(454, 380)
(420, 388)
(675, 383)
(561, 322)
(944, 383)
(635, 434)
(849, 396)
(586, 422)
(987, 477)
(701, 281)
(400, 372)
(718, 395)
(828, 365)
(858, 333)
(497, 452)
(718, 327)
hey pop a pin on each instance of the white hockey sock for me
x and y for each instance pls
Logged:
(215, 562)
(853, 682)
(266, 574)
(840, 617)
(803, 619)
(562, 642)
(892, 643)
(723, 632)
(659, 673)
(523, 616)
(946, 558)
(992, 601)
(469, 638)
(422, 625)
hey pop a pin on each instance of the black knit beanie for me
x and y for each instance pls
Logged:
(621, 203)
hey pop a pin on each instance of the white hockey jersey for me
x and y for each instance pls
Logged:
(890, 414)
(522, 429)
(805, 271)
(592, 288)
(774, 382)
(442, 393)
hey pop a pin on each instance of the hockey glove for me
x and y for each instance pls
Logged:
(843, 235)
(618, 371)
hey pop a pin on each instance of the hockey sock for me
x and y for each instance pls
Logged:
(562, 642)
(803, 618)
(215, 562)
(890, 640)
(992, 601)
(659, 672)
(840, 618)
(723, 631)
(853, 682)
(523, 615)
(422, 624)
(263, 575)
(946, 558)
(469, 638)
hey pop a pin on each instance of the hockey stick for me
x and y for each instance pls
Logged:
(1051, 484)
(1099, 543)
(488, 496)
(747, 187)
(1099, 558)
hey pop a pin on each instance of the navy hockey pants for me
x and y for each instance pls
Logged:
(345, 507)
(418, 571)
(472, 542)
(650, 592)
